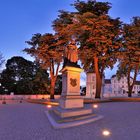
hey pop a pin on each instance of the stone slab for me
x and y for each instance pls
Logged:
(68, 103)
(58, 123)
(63, 113)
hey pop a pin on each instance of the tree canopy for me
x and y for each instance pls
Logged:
(20, 77)
(130, 52)
(96, 34)
(48, 51)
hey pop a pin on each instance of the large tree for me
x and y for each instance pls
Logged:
(48, 51)
(20, 76)
(96, 33)
(130, 53)
(41, 81)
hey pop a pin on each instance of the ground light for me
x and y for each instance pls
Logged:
(106, 133)
(49, 106)
(95, 106)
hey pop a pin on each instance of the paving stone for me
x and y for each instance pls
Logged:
(27, 121)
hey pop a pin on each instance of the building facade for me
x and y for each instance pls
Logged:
(110, 87)
(91, 85)
(119, 87)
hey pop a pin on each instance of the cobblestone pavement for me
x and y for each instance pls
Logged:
(27, 121)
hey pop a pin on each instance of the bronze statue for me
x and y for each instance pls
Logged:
(71, 54)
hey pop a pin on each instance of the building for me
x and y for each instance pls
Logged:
(107, 86)
(110, 87)
(119, 87)
(91, 85)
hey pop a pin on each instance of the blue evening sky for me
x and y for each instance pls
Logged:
(20, 19)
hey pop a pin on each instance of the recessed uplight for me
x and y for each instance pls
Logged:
(49, 106)
(106, 133)
(95, 106)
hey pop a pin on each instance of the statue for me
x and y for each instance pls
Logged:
(71, 54)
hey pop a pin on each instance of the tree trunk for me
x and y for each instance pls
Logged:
(130, 91)
(130, 86)
(52, 88)
(98, 79)
(98, 87)
(53, 79)
(128, 83)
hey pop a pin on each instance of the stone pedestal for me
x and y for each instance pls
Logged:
(71, 103)
(71, 110)
(70, 97)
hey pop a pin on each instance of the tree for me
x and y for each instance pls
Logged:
(130, 53)
(7, 81)
(96, 33)
(20, 75)
(47, 50)
(58, 87)
(41, 81)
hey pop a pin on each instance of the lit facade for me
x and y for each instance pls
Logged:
(110, 87)
(117, 86)
(91, 85)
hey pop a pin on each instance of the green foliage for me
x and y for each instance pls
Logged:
(58, 85)
(98, 8)
(21, 77)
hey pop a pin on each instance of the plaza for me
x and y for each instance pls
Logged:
(70, 70)
(26, 121)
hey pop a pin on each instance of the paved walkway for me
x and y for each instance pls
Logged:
(28, 122)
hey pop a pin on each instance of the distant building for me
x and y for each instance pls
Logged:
(137, 87)
(91, 85)
(110, 87)
(107, 86)
(119, 87)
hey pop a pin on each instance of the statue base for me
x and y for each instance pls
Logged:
(71, 110)
(65, 113)
(70, 96)
(65, 118)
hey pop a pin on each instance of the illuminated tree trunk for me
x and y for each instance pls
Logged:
(53, 77)
(130, 86)
(98, 79)
(53, 81)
